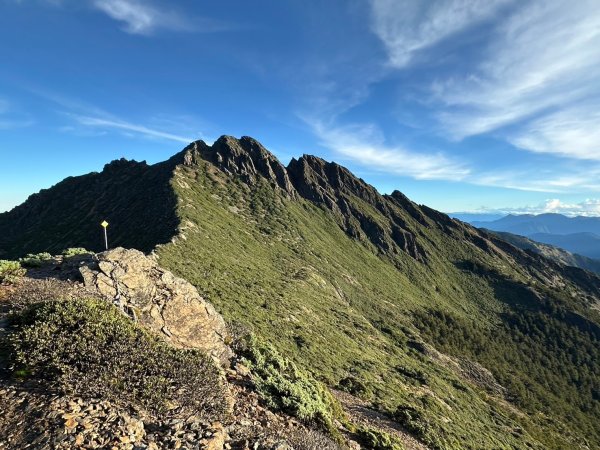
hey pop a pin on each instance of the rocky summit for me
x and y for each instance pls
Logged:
(294, 307)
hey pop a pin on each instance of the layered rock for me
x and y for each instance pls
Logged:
(160, 301)
(334, 187)
(244, 157)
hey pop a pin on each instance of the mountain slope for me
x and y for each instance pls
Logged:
(463, 339)
(551, 252)
(584, 243)
(575, 234)
(133, 197)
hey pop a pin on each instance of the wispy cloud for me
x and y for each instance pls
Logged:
(145, 17)
(365, 144)
(101, 123)
(589, 208)
(534, 80)
(142, 17)
(573, 132)
(543, 57)
(408, 27)
(564, 179)
(10, 119)
(90, 120)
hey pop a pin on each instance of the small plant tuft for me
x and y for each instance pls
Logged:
(377, 439)
(35, 259)
(75, 251)
(356, 387)
(10, 271)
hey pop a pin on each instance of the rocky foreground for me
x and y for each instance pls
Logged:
(35, 417)
(37, 414)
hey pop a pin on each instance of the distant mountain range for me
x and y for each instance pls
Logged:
(579, 235)
(553, 252)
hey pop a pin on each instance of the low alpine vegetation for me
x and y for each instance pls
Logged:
(378, 440)
(87, 347)
(10, 271)
(35, 259)
(75, 251)
(283, 386)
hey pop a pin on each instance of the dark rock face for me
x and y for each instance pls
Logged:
(334, 187)
(135, 198)
(138, 200)
(243, 157)
(327, 184)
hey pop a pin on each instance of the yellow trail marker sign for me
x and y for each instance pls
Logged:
(104, 224)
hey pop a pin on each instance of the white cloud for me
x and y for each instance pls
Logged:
(536, 70)
(573, 132)
(141, 17)
(411, 26)
(543, 57)
(364, 144)
(589, 208)
(103, 123)
(10, 119)
(565, 179)
(90, 120)
(10, 124)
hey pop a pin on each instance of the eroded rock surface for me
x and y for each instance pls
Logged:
(160, 301)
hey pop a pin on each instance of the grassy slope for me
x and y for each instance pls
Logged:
(341, 309)
(338, 309)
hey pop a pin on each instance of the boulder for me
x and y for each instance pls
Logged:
(158, 300)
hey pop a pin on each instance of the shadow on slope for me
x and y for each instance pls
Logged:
(134, 197)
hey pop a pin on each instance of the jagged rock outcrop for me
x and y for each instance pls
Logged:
(160, 301)
(244, 157)
(334, 187)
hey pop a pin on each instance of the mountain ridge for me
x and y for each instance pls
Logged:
(371, 293)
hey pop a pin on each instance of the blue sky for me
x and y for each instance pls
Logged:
(462, 105)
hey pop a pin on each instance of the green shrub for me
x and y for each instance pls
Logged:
(74, 251)
(355, 387)
(378, 440)
(413, 420)
(87, 347)
(10, 271)
(35, 259)
(283, 386)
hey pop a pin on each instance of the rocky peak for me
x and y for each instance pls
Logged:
(336, 188)
(317, 179)
(245, 157)
(123, 164)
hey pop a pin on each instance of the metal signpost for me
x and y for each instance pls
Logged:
(105, 226)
